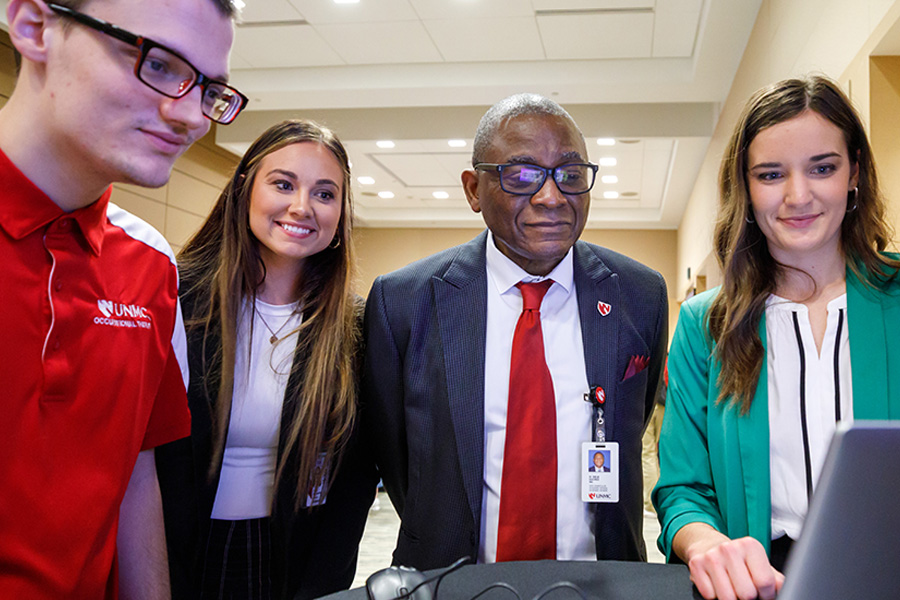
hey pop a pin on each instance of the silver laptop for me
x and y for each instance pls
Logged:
(850, 544)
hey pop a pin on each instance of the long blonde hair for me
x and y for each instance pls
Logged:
(750, 271)
(223, 266)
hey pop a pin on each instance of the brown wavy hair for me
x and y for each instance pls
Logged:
(750, 272)
(223, 266)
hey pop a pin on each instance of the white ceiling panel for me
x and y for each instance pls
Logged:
(266, 11)
(566, 5)
(683, 5)
(471, 9)
(376, 43)
(366, 11)
(488, 39)
(236, 61)
(628, 168)
(418, 170)
(657, 161)
(280, 46)
(597, 36)
(674, 33)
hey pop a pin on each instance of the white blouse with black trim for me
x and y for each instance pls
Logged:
(809, 391)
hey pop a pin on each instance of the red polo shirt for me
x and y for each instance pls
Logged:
(93, 369)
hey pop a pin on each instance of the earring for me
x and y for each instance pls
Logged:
(748, 218)
(335, 242)
(855, 197)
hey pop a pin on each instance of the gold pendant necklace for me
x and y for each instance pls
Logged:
(274, 333)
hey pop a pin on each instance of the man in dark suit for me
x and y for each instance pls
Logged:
(441, 362)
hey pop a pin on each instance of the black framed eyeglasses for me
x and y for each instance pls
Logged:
(522, 179)
(167, 72)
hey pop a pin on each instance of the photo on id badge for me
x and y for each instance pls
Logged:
(600, 472)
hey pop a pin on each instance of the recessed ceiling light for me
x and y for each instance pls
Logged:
(608, 161)
(609, 179)
(456, 143)
(608, 195)
(365, 180)
(606, 142)
(386, 195)
(385, 144)
(440, 195)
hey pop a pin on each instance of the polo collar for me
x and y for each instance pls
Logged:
(25, 208)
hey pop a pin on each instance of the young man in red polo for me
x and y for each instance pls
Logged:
(93, 363)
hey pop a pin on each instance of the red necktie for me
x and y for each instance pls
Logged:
(527, 521)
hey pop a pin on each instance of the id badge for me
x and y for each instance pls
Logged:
(600, 471)
(317, 492)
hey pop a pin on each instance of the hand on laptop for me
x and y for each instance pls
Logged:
(724, 568)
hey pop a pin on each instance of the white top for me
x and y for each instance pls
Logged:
(790, 460)
(247, 480)
(564, 353)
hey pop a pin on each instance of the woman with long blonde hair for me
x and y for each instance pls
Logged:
(269, 495)
(760, 368)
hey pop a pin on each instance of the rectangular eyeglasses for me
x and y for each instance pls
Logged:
(522, 179)
(167, 72)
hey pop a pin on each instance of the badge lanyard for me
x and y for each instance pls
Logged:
(597, 398)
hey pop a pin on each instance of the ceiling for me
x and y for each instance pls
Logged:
(649, 74)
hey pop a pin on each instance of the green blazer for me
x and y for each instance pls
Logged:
(714, 462)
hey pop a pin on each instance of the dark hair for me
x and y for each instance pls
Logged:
(223, 265)
(509, 108)
(750, 273)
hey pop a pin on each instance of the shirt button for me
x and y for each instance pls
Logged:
(58, 286)
(56, 345)
(64, 224)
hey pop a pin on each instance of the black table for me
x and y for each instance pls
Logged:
(602, 580)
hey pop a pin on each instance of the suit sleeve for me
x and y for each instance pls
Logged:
(383, 420)
(685, 492)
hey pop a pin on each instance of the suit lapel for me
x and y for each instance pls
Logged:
(461, 307)
(594, 283)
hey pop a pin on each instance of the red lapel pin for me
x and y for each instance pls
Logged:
(603, 307)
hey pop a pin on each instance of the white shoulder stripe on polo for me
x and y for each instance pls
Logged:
(140, 230)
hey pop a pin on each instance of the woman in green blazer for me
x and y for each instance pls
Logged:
(799, 239)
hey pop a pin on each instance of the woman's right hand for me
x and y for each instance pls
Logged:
(724, 568)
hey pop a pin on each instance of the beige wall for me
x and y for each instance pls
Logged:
(384, 250)
(7, 68)
(884, 104)
(790, 38)
(179, 208)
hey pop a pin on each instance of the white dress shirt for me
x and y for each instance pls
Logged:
(247, 479)
(788, 456)
(564, 352)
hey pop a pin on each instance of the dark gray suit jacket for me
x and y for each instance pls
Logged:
(423, 392)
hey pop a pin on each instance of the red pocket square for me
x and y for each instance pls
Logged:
(636, 364)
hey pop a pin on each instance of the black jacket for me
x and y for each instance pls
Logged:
(314, 550)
